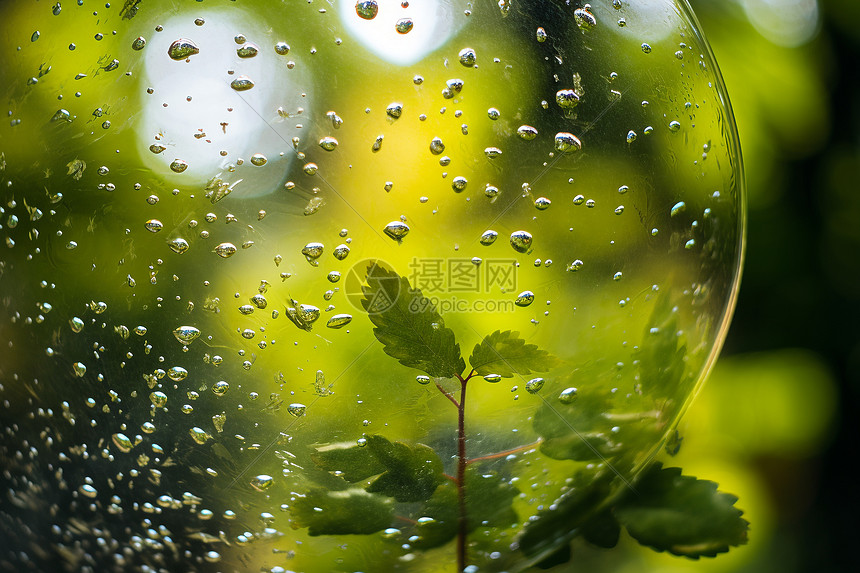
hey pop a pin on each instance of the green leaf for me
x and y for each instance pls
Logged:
(506, 354)
(489, 499)
(348, 460)
(412, 472)
(557, 557)
(681, 514)
(353, 511)
(563, 519)
(408, 325)
(661, 356)
(576, 431)
(602, 530)
(443, 509)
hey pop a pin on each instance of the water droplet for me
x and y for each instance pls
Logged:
(308, 313)
(220, 388)
(310, 168)
(218, 421)
(492, 378)
(182, 48)
(242, 83)
(122, 442)
(178, 245)
(366, 9)
(341, 252)
(339, 320)
(259, 301)
(584, 19)
(631, 136)
(491, 191)
(199, 435)
(525, 298)
(674, 126)
(394, 110)
(458, 184)
(158, 399)
(575, 266)
(312, 252)
(258, 159)
(534, 385)
(88, 491)
(468, 57)
(492, 152)
(540, 35)
(153, 225)
(225, 250)
(297, 409)
(646, 48)
(542, 203)
(396, 230)
(488, 237)
(436, 146)
(178, 165)
(247, 50)
(678, 208)
(566, 99)
(567, 142)
(521, 241)
(177, 373)
(567, 396)
(186, 334)
(527, 132)
(156, 148)
(422, 379)
(76, 323)
(328, 143)
(404, 25)
(80, 369)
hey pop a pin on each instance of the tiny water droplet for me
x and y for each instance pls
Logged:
(225, 250)
(521, 241)
(258, 159)
(186, 334)
(542, 203)
(242, 83)
(488, 237)
(181, 49)
(527, 132)
(297, 409)
(396, 230)
(366, 9)
(178, 245)
(534, 385)
(178, 165)
(567, 142)
(153, 225)
(422, 379)
(468, 57)
(404, 25)
(492, 378)
(525, 298)
(584, 19)
(339, 320)
(567, 396)
(247, 50)
(436, 146)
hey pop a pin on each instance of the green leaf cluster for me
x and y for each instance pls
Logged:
(665, 511)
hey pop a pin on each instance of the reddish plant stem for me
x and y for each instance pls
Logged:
(505, 453)
(447, 395)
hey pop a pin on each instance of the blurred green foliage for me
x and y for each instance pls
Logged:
(778, 416)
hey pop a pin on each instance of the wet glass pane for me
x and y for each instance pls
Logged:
(349, 286)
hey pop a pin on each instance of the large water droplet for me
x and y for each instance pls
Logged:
(297, 409)
(366, 9)
(225, 250)
(567, 142)
(339, 320)
(186, 334)
(525, 298)
(396, 230)
(242, 83)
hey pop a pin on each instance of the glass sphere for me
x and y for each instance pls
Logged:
(350, 286)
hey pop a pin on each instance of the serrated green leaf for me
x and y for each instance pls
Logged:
(348, 460)
(408, 325)
(412, 473)
(352, 511)
(681, 514)
(506, 354)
